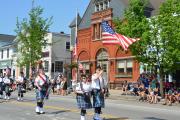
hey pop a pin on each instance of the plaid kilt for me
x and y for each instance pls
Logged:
(83, 102)
(98, 99)
(40, 95)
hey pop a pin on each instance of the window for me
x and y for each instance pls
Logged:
(97, 31)
(2, 52)
(129, 66)
(147, 12)
(46, 66)
(97, 8)
(101, 6)
(121, 66)
(86, 67)
(45, 54)
(8, 53)
(106, 5)
(125, 66)
(67, 45)
(59, 66)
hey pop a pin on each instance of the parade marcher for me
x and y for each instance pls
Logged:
(20, 86)
(41, 83)
(98, 92)
(64, 86)
(58, 81)
(8, 89)
(83, 91)
(1, 85)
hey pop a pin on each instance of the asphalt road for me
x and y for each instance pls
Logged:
(64, 108)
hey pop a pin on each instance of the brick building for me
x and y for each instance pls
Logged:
(117, 64)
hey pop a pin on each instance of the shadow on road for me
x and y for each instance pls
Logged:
(154, 118)
(123, 118)
(58, 112)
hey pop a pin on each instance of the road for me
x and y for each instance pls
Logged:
(64, 108)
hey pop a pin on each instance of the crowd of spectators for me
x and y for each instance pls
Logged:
(148, 90)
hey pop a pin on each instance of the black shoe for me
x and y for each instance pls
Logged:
(38, 113)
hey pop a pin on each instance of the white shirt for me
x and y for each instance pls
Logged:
(1, 79)
(7, 80)
(20, 79)
(74, 82)
(85, 86)
(39, 80)
(97, 81)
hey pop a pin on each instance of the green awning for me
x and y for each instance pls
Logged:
(5, 63)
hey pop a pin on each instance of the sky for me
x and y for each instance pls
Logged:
(62, 11)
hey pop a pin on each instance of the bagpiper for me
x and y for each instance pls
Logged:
(98, 85)
(8, 89)
(42, 84)
(83, 92)
(20, 86)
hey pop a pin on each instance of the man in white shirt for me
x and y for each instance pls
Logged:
(7, 83)
(20, 85)
(98, 85)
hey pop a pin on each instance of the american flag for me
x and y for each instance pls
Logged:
(109, 36)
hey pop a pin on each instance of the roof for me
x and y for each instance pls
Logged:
(154, 4)
(73, 23)
(6, 39)
(118, 10)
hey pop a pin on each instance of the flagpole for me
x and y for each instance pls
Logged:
(76, 45)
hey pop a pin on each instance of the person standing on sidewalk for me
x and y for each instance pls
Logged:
(83, 97)
(7, 83)
(41, 83)
(98, 92)
(20, 86)
(1, 85)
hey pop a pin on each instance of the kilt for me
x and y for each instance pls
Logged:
(98, 99)
(40, 95)
(20, 88)
(7, 87)
(2, 87)
(83, 102)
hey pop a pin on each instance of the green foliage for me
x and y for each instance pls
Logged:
(169, 24)
(159, 42)
(134, 25)
(31, 36)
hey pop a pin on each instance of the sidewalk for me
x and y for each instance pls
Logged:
(116, 95)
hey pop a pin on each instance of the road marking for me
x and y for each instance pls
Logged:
(107, 116)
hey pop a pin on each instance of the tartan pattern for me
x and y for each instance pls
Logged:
(98, 99)
(83, 103)
(40, 95)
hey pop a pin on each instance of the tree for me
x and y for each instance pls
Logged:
(159, 44)
(135, 25)
(31, 37)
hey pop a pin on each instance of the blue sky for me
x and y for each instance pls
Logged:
(63, 12)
